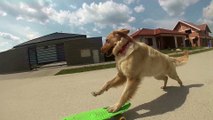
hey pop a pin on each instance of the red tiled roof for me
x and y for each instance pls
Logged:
(201, 27)
(154, 32)
(204, 27)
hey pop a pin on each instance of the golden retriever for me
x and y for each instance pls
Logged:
(135, 60)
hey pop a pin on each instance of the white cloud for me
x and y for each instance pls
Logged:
(2, 13)
(131, 19)
(139, 9)
(126, 26)
(29, 19)
(9, 36)
(101, 13)
(46, 3)
(207, 16)
(19, 18)
(31, 12)
(176, 7)
(129, 1)
(161, 23)
(73, 7)
(85, 30)
(30, 34)
(96, 30)
(60, 16)
(208, 12)
(27, 8)
(8, 40)
(4, 45)
(42, 11)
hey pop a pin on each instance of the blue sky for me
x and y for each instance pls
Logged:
(23, 20)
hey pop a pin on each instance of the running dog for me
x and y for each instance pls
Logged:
(135, 60)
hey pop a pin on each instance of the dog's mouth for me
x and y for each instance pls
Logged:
(109, 52)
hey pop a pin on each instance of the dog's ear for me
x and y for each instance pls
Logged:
(125, 31)
(121, 32)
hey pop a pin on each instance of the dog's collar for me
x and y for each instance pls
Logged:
(123, 49)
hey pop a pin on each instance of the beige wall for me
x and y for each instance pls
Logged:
(76, 51)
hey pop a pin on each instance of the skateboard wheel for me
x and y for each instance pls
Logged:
(122, 118)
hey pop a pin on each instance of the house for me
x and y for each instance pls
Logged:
(198, 34)
(161, 38)
(73, 49)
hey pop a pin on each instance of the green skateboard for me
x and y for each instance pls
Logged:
(100, 114)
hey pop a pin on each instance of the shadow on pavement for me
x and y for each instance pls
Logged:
(171, 100)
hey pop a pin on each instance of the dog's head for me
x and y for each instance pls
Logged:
(112, 40)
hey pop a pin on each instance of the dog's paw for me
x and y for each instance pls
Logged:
(94, 94)
(113, 108)
(180, 83)
(163, 87)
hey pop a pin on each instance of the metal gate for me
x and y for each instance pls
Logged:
(46, 54)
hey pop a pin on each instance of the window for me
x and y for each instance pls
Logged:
(85, 53)
(188, 31)
(149, 41)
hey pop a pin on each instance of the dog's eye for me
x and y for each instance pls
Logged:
(107, 41)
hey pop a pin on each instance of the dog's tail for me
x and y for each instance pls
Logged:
(178, 61)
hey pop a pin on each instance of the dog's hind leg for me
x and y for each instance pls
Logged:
(129, 91)
(164, 78)
(117, 81)
(173, 74)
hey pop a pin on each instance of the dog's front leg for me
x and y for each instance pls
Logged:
(129, 91)
(116, 81)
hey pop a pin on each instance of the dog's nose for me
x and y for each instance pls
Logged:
(102, 50)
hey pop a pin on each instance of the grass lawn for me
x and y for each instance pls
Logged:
(167, 51)
(112, 65)
(84, 69)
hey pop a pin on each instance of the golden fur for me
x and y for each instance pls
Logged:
(138, 60)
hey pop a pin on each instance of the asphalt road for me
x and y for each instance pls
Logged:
(54, 97)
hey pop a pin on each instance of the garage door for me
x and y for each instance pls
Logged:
(46, 54)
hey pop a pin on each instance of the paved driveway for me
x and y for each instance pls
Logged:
(54, 97)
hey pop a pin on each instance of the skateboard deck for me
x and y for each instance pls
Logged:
(98, 114)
